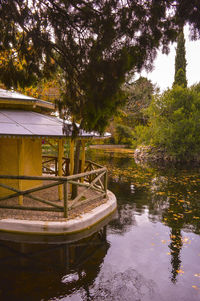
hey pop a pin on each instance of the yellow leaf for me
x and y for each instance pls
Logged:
(195, 287)
(180, 271)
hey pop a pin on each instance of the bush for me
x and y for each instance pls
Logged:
(123, 134)
(174, 123)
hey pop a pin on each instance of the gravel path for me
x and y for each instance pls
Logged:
(50, 194)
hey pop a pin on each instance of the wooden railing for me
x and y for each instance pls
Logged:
(92, 185)
(50, 165)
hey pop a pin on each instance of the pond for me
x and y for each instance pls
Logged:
(150, 250)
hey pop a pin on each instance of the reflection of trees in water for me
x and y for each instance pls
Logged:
(157, 206)
(185, 195)
(110, 159)
(127, 285)
(179, 212)
(171, 196)
(124, 221)
(35, 272)
(175, 248)
(174, 219)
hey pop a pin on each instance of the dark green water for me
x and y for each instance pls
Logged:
(149, 251)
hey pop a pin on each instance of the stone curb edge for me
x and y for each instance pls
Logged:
(78, 224)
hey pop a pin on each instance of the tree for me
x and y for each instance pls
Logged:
(139, 96)
(187, 12)
(180, 78)
(22, 63)
(174, 123)
(180, 62)
(95, 44)
(123, 134)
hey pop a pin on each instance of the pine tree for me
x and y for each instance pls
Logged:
(180, 62)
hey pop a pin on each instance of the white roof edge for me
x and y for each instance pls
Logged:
(9, 94)
(20, 123)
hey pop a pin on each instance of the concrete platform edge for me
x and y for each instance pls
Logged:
(78, 224)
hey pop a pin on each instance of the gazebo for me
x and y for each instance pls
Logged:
(25, 122)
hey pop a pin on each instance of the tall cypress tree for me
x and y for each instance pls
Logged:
(180, 62)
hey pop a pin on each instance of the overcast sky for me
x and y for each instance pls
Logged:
(163, 73)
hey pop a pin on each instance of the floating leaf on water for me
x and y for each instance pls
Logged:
(195, 287)
(180, 271)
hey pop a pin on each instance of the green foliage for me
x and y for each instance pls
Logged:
(94, 44)
(174, 123)
(196, 87)
(50, 150)
(131, 114)
(180, 78)
(139, 95)
(180, 62)
(123, 134)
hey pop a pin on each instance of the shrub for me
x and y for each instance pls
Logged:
(174, 123)
(123, 134)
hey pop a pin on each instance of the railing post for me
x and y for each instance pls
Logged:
(65, 197)
(60, 172)
(106, 182)
(83, 159)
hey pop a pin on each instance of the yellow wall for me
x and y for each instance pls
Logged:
(30, 163)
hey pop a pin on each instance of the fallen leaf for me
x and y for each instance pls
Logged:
(195, 287)
(180, 271)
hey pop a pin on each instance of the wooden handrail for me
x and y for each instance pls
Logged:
(54, 178)
(95, 183)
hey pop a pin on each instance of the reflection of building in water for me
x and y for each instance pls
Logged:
(43, 271)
